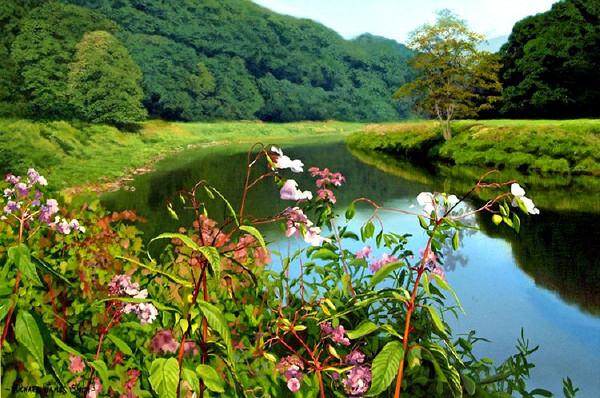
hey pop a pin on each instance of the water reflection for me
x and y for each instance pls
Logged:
(556, 250)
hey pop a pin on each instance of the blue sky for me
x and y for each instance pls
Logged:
(395, 19)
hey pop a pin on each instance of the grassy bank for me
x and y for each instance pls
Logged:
(570, 147)
(74, 154)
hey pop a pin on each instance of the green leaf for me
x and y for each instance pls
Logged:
(385, 366)
(435, 317)
(255, 233)
(172, 213)
(325, 254)
(229, 207)
(456, 241)
(365, 328)
(368, 230)
(469, 384)
(65, 347)
(444, 285)
(172, 277)
(192, 378)
(211, 253)
(423, 222)
(4, 307)
(120, 344)
(46, 267)
(217, 322)
(522, 205)
(101, 369)
(384, 271)
(211, 378)
(164, 377)
(28, 334)
(516, 222)
(350, 211)
(21, 258)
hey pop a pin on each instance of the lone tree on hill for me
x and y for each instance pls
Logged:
(455, 79)
(105, 82)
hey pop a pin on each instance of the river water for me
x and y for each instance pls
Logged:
(545, 280)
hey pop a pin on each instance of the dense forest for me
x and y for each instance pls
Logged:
(118, 62)
(229, 59)
(551, 63)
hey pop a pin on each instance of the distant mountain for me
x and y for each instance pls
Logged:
(212, 59)
(494, 44)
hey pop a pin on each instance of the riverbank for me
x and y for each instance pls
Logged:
(98, 157)
(534, 147)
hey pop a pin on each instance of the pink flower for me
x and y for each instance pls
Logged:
(293, 384)
(95, 389)
(164, 342)
(76, 364)
(290, 191)
(355, 357)
(338, 336)
(364, 253)
(430, 258)
(385, 259)
(358, 381)
(12, 179)
(326, 327)
(326, 194)
(439, 271)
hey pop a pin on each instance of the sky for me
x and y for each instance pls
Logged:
(395, 19)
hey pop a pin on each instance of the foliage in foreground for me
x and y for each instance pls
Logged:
(87, 313)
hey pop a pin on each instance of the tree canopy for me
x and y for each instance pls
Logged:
(551, 63)
(454, 79)
(227, 59)
(104, 83)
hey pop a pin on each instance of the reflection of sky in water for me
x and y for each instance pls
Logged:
(499, 299)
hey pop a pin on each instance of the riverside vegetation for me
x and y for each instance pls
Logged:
(85, 311)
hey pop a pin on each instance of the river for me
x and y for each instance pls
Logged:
(545, 280)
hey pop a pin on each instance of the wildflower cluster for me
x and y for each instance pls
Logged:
(291, 368)
(122, 286)
(24, 203)
(325, 181)
(519, 196)
(337, 334)
(437, 204)
(298, 224)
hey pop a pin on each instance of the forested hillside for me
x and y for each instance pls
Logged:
(199, 60)
(551, 63)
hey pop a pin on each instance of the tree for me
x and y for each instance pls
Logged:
(551, 61)
(104, 82)
(42, 50)
(455, 79)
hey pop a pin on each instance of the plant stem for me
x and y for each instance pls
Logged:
(411, 307)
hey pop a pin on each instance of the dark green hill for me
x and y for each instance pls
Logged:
(551, 63)
(227, 59)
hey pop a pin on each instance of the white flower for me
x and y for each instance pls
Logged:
(519, 193)
(452, 200)
(530, 206)
(290, 191)
(313, 236)
(427, 201)
(284, 162)
(516, 190)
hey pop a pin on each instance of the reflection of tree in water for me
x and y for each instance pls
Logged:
(559, 251)
(454, 258)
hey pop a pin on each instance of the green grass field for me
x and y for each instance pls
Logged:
(74, 154)
(529, 146)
